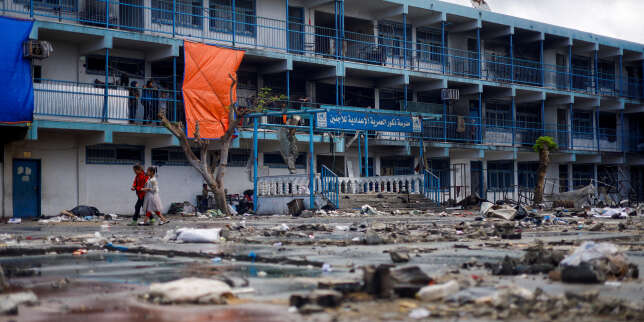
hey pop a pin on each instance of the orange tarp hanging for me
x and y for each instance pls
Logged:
(206, 87)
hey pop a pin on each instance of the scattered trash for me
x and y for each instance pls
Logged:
(81, 251)
(437, 292)
(368, 210)
(190, 290)
(216, 260)
(326, 268)
(615, 213)
(419, 313)
(193, 235)
(342, 228)
(384, 281)
(9, 302)
(14, 220)
(295, 207)
(319, 298)
(595, 263)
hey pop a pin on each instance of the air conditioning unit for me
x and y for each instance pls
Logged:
(38, 49)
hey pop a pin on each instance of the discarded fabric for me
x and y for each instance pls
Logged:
(190, 290)
(192, 235)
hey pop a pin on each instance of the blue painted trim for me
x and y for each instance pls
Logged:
(255, 201)
(311, 164)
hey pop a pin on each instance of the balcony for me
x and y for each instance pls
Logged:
(58, 100)
(244, 29)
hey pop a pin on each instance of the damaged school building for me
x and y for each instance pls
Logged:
(474, 90)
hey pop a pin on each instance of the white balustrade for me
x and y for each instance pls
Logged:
(298, 185)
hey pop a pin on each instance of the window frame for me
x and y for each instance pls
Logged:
(245, 17)
(114, 148)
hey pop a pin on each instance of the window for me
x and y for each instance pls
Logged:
(275, 160)
(428, 45)
(170, 156)
(498, 114)
(239, 158)
(188, 13)
(134, 68)
(441, 168)
(500, 175)
(582, 175)
(563, 177)
(246, 80)
(392, 37)
(397, 166)
(528, 116)
(54, 5)
(390, 99)
(115, 154)
(221, 17)
(528, 174)
(582, 123)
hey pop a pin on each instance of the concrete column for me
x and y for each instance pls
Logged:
(516, 179)
(484, 183)
(570, 186)
(82, 175)
(376, 97)
(310, 90)
(7, 183)
(377, 166)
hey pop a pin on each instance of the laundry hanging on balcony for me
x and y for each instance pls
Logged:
(17, 99)
(206, 87)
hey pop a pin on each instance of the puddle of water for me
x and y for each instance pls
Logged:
(105, 267)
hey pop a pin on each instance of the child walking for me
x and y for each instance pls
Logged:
(152, 202)
(140, 179)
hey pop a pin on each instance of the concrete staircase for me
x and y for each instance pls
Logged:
(386, 201)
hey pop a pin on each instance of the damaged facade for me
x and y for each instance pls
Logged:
(517, 80)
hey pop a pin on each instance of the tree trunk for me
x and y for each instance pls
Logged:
(220, 200)
(544, 161)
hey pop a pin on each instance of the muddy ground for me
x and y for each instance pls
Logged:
(271, 263)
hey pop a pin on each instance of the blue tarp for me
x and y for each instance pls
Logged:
(17, 97)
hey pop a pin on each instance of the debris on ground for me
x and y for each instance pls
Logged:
(384, 281)
(399, 256)
(437, 292)
(9, 302)
(194, 235)
(614, 213)
(319, 298)
(537, 260)
(595, 263)
(190, 290)
(368, 210)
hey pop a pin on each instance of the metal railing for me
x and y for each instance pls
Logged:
(242, 28)
(432, 187)
(330, 186)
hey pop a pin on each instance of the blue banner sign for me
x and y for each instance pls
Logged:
(365, 121)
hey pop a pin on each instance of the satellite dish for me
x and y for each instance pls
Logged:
(480, 4)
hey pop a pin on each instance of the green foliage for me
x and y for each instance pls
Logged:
(545, 141)
(265, 98)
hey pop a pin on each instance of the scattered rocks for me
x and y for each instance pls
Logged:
(190, 290)
(399, 256)
(316, 300)
(437, 292)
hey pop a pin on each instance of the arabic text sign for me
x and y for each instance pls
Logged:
(357, 120)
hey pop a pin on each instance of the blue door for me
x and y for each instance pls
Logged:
(26, 188)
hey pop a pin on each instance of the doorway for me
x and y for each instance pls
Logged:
(26, 188)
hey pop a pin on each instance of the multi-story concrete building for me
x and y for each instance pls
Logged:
(517, 80)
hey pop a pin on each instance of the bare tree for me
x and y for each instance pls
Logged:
(544, 145)
(212, 160)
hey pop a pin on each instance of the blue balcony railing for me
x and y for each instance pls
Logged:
(95, 102)
(243, 28)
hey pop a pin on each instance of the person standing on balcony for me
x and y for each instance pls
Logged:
(150, 101)
(133, 101)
